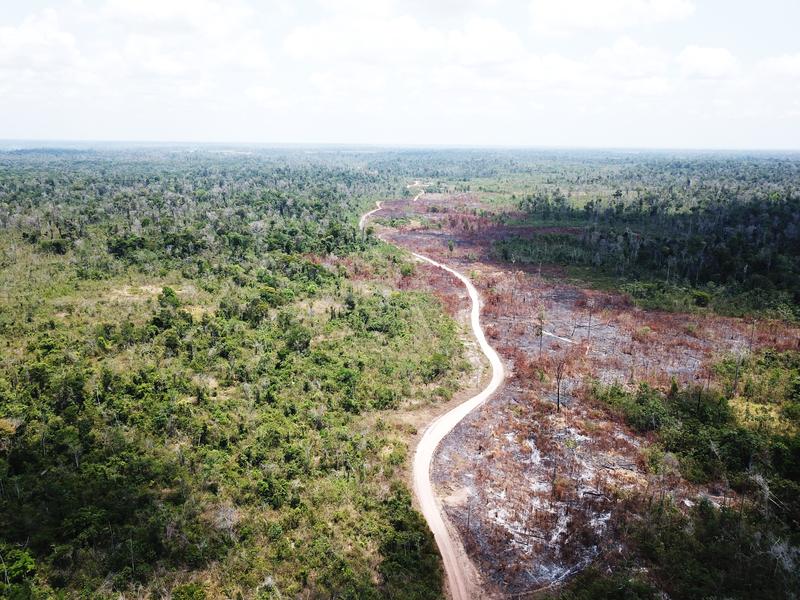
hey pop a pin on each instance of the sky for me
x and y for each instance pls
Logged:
(542, 73)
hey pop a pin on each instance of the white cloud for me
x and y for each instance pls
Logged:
(707, 63)
(648, 86)
(372, 8)
(536, 73)
(569, 16)
(627, 59)
(482, 42)
(787, 65)
(425, 10)
(376, 70)
(368, 59)
(38, 43)
(481, 64)
(163, 51)
(211, 17)
(397, 39)
(170, 37)
(266, 97)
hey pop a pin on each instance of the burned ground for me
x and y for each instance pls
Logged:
(531, 478)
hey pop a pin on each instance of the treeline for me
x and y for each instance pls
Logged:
(740, 251)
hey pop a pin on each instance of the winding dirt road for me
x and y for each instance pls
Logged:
(453, 554)
(362, 222)
(456, 563)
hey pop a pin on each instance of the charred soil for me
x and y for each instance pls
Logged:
(531, 479)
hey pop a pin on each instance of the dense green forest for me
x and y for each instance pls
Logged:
(192, 381)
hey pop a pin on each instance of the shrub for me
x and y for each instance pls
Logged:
(645, 410)
(435, 366)
(189, 591)
(701, 298)
(168, 298)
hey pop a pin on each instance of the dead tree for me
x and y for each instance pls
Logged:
(560, 368)
(540, 330)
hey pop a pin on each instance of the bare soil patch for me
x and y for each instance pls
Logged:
(531, 488)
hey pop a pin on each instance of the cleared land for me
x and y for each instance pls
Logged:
(530, 479)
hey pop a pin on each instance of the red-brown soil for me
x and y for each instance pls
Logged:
(530, 488)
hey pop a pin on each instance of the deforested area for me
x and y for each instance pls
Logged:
(644, 442)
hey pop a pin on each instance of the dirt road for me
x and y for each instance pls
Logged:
(362, 222)
(452, 553)
(456, 564)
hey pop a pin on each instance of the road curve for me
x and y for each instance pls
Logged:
(453, 555)
(362, 222)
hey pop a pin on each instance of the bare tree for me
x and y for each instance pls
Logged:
(590, 306)
(540, 330)
(560, 369)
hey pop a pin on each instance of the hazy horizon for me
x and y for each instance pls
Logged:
(89, 144)
(578, 74)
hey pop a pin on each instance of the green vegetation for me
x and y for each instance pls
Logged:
(765, 389)
(711, 439)
(728, 552)
(706, 231)
(749, 547)
(709, 250)
(715, 552)
(591, 584)
(196, 395)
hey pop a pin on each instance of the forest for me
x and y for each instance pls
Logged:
(209, 375)
(193, 377)
(712, 233)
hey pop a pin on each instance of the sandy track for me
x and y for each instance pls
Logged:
(453, 554)
(363, 220)
(456, 563)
